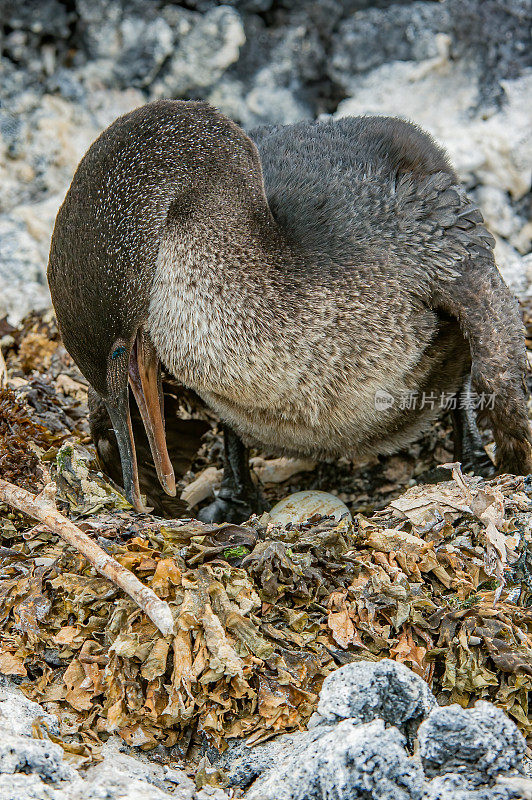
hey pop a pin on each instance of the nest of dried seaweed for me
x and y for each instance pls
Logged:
(440, 579)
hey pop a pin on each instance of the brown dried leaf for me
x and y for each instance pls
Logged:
(388, 540)
(223, 659)
(78, 695)
(155, 664)
(339, 621)
(424, 504)
(11, 664)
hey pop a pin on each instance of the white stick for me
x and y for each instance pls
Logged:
(3, 370)
(41, 507)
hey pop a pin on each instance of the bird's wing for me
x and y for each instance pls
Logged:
(323, 180)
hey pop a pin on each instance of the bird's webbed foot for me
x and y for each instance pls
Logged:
(468, 447)
(229, 507)
(479, 463)
(238, 497)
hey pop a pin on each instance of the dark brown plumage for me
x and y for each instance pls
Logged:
(286, 281)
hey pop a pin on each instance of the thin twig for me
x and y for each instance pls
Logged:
(41, 507)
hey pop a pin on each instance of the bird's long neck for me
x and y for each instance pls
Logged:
(216, 290)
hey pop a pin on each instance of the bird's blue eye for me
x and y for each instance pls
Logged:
(118, 352)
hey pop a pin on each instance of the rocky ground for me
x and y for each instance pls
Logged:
(378, 733)
(309, 600)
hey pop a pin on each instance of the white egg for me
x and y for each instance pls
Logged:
(299, 507)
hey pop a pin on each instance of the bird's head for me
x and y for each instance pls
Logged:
(100, 272)
(106, 339)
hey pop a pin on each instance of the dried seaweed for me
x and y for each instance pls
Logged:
(262, 613)
(21, 440)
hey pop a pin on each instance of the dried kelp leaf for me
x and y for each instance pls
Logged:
(33, 608)
(79, 691)
(155, 664)
(79, 486)
(11, 664)
(339, 621)
(424, 504)
(223, 660)
(20, 440)
(36, 351)
(388, 540)
(489, 508)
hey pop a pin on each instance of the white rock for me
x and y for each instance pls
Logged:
(38, 756)
(512, 266)
(18, 713)
(493, 147)
(497, 211)
(28, 787)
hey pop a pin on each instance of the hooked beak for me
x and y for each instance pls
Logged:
(121, 421)
(145, 382)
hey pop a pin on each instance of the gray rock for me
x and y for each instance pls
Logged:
(269, 102)
(10, 130)
(495, 34)
(265, 100)
(20, 255)
(492, 34)
(37, 756)
(211, 793)
(22, 285)
(346, 762)
(119, 771)
(364, 691)
(454, 786)
(497, 210)
(68, 84)
(481, 741)
(512, 266)
(110, 786)
(375, 36)
(14, 81)
(278, 67)
(98, 27)
(18, 713)
(38, 16)
(125, 43)
(243, 764)
(35, 36)
(145, 46)
(204, 50)
(252, 5)
(27, 787)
